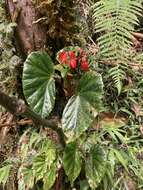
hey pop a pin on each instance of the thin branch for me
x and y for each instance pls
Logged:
(18, 107)
(22, 122)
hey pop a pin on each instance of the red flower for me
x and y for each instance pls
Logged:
(84, 66)
(73, 63)
(72, 55)
(63, 57)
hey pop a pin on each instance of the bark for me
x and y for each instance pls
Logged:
(29, 35)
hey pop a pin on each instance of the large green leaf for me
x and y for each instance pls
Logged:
(83, 107)
(43, 162)
(95, 166)
(72, 161)
(38, 83)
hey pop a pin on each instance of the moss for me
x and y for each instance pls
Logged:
(63, 23)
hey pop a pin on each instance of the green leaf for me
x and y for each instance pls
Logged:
(63, 69)
(112, 162)
(39, 166)
(72, 161)
(118, 75)
(115, 21)
(83, 107)
(35, 138)
(4, 174)
(38, 83)
(50, 177)
(50, 151)
(24, 151)
(28, 177)
(95, 166)
(84, 185)
(121, 159)
(43, 162)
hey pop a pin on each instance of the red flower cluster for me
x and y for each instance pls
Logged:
(71, 59)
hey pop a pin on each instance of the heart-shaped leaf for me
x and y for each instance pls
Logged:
(44, 160)
(72, 161)
(83, 107)
(38, 83)
(95, 166)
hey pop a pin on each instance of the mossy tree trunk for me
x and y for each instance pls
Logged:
(30, 35)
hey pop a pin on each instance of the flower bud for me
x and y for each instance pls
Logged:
(84, 66)
(63, 57)
(72, 55)
(73, 63)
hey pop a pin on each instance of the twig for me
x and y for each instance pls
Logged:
(16, 123)
(59, 179)
(92, 41)
(18, 107)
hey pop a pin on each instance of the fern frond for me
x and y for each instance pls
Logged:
(115, 20)
(117, 74)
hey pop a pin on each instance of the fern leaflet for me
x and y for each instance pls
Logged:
(117, 74)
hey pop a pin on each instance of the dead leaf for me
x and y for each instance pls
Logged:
(137, 110)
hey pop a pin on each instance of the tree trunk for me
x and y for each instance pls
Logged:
(29, 34)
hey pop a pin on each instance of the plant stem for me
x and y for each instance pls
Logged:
(18, 107)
